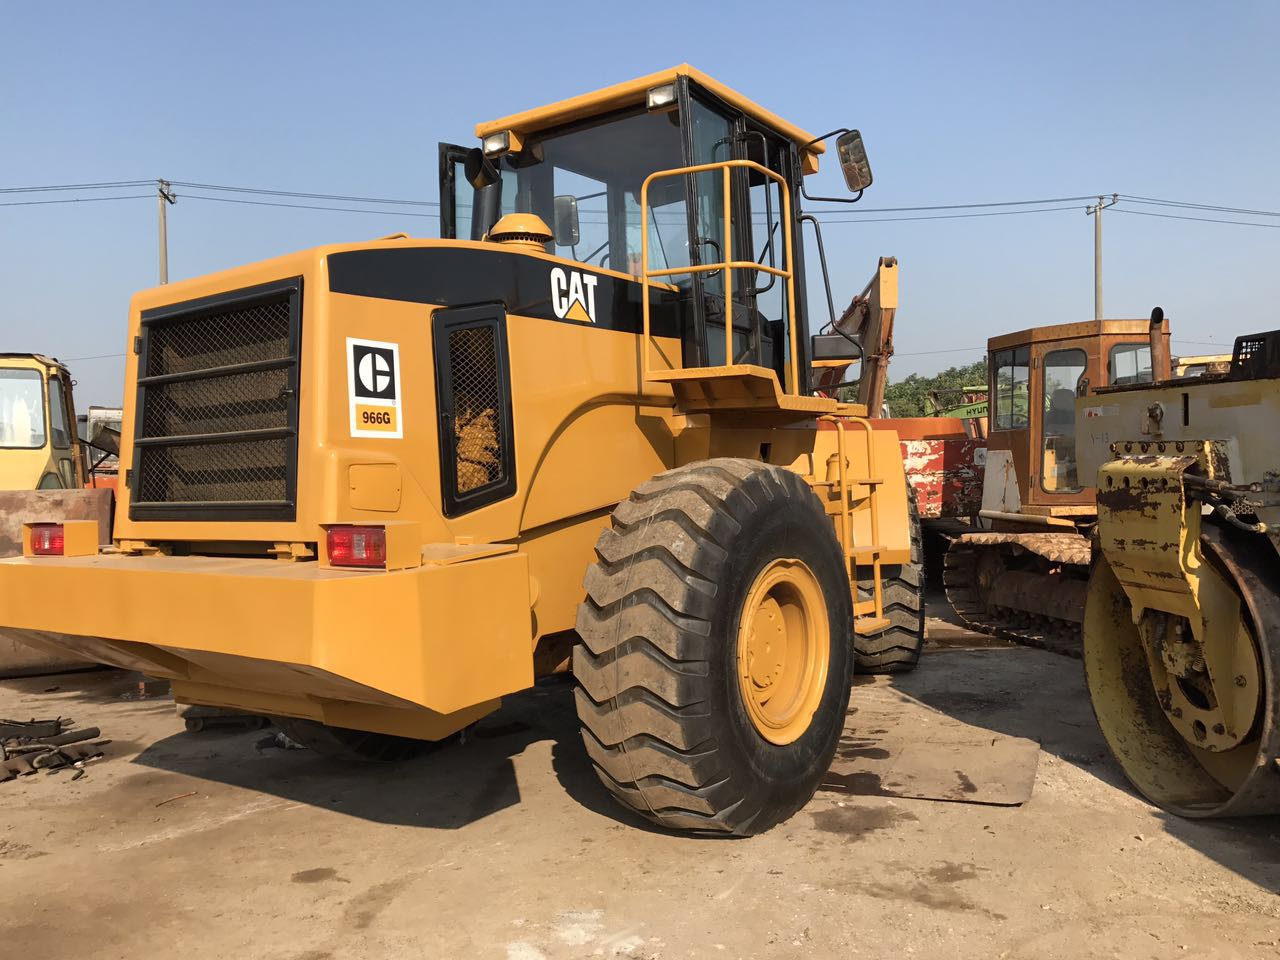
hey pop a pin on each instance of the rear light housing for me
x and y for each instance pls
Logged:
(351, 546)
(48, 540)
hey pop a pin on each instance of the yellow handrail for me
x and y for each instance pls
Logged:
(728, 266)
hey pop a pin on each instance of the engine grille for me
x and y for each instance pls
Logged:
(218, 407)
(473, 391)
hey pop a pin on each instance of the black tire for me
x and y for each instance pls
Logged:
(358, 746)
(662, 711)
(896, 649)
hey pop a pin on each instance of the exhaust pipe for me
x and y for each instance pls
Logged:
(1160, 365)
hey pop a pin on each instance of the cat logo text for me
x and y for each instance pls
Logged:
(573, 295)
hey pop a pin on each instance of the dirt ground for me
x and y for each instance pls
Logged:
(506, 846)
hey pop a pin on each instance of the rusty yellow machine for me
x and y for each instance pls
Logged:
(372, 488)
(1180, 646)
(43, 472)
(1024, 576)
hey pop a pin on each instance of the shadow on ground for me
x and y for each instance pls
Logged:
(1042, 696)
(463, 780)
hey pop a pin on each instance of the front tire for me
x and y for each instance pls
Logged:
(896, 648)
(715, 658)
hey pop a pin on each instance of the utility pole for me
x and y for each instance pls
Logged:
(1095, 211)
(165, 197)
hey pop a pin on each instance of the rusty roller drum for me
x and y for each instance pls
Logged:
(1193, 726)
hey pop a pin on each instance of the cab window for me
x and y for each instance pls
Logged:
(602, 165)
(58, 420)
(1063, 371)
(1129, 363)
(1012, 369)
(21, 409)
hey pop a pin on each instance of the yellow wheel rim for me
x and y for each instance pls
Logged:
(784, 650)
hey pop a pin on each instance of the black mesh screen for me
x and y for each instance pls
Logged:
(473, 371)
(218, 407)
(473, 389)
(239, 335)
(239, 471)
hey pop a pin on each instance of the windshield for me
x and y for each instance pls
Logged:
(602, 166)
(21, 409)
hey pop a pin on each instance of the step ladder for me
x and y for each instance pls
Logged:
(868, 615)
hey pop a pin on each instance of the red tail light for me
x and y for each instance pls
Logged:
(47, 539)
(356, 546)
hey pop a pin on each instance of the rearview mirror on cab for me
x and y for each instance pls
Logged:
(479, 169)
(853, 161)
(565, 216)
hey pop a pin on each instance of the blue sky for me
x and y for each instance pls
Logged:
(957, 103)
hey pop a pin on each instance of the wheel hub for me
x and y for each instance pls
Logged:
(784, 650)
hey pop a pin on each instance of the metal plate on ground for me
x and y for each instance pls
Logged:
(895, 746)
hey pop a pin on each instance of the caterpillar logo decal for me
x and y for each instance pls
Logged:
(573, 295)
(373, 388)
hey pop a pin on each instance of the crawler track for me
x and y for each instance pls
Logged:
(1044, 608)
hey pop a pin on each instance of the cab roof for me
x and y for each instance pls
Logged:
(31, 359)
(632, 93)
(1071, 331)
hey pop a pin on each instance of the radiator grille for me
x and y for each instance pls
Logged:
(473, 371)
(218, 408)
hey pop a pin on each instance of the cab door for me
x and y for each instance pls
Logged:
(64, 442)
(1061, 371)
(716, 132)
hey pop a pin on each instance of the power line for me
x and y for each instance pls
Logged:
(1174, 216)
(1215, 208)
(303, 196)
(40, 203)
(953, 216)
(100, 356)
(308, 206)
(78, 186)
(956, 206)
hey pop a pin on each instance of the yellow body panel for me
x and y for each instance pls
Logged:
(421, 650)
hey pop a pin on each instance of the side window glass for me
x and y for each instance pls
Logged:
(58, 428)
(1129, 363)
(593, 218)
(1063, 370)
(1012, 373)
(21, 409)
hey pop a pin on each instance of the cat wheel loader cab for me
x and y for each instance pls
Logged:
(1181, 655)
(1024, 577)
(372, 488)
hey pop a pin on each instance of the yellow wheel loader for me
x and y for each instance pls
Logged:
(1181, 652)
(1023, 577)
(372, 488)
(43, 473)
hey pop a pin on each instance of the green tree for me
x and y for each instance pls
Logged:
(906, 397)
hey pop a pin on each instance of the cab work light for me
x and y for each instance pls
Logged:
(47, 539)
(357, 546)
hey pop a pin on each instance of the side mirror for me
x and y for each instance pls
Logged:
(853, 161)
(478, 169)
(834, 346)
(565, 217)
